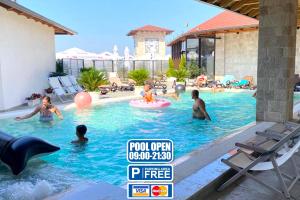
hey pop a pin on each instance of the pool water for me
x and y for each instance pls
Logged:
(109, 128)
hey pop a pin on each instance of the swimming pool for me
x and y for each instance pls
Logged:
(109, 128)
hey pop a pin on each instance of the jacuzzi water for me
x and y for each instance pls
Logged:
(109, 128)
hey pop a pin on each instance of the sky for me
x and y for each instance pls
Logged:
(101, 24)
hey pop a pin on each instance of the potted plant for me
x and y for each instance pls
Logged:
(139, 76)
(91, 79)
(34, 99)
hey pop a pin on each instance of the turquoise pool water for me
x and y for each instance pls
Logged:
(109, 128)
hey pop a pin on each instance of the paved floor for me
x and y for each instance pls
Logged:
(248, 189)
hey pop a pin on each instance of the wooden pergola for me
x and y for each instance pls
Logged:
(244, 7)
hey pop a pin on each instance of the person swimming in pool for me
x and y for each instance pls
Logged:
(46, 111)
(175, 95)
(199, 110)
(80, 133)
(148, 95)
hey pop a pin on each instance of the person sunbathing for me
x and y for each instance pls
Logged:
(148, 96)
(201, 80)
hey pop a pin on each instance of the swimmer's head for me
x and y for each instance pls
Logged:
(147, 87)
(46, 101)
(81, 131)
(164, 91)
(195, 94)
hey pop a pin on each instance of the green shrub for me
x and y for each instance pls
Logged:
(181, 73)
(194, 70)
(182, 64)
(171, 69)
(139, 76)
(91, 78)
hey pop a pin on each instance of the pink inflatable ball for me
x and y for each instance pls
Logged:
(83, 100)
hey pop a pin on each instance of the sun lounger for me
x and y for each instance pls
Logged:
(66, 83)
(75, 84)
(267, 155)
(57, 88)
(116, 82)
(227, 80)
(156, 84)
(250, 79)
(190, 82)
(241, 84)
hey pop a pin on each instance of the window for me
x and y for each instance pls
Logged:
(192, 49)
(151, 45)
(208, 56)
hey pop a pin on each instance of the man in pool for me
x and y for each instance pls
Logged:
(46, 111)
(80, 133)
(199, 110)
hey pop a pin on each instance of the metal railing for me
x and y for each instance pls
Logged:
(155, 67)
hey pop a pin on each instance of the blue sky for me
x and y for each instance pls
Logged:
(102, 23)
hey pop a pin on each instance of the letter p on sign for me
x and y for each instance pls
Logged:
(135, 171)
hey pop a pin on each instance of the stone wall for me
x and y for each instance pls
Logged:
(236, 54)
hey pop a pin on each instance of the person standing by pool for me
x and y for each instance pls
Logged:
(199, 110)
(46, 111)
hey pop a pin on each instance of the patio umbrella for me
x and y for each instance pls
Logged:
(127, 58)
(115, 57)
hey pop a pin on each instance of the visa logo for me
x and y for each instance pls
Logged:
(140, 191)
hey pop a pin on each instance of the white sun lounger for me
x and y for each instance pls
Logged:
(57, 88)
(75, 84)
(273, 153)
(67, 84)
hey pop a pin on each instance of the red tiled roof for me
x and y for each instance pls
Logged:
(149, 28)
(226, 20)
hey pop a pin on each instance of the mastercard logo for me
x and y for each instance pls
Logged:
(159, 191)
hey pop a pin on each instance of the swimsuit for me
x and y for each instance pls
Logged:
(46, 115)
(148, 97)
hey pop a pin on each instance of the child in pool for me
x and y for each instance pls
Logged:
(80, 133)
(148, 96)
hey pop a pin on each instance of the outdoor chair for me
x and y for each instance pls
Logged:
(75, 84)
(156, 84)
(227, 80)
(58, 89)
(274, 149)
(250, 79)
(68, 86)
(190, 82)
(117, 84)
(240, 84)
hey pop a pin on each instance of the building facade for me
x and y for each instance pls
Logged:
(149, 42)
(27, 52)
(225, 44)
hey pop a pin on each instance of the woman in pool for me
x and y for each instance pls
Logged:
(199, 110)
(46, 111)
